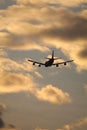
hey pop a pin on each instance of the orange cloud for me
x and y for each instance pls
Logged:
(45, 26)
(2, 53)
(13, 79)
(7, 64)
(79, 125)
(53, 95)
(40, 129)
(69, 3)
(2, 107)
(13, 82)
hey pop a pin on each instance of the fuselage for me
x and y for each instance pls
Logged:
(49, 63)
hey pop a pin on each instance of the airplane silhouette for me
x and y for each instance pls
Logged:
(50, 61)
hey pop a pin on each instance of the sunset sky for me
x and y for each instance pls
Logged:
(40, 98)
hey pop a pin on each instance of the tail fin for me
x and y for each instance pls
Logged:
(53, 54)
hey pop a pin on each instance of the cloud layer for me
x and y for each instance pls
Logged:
(17, 77)
(62, 29)
(13, 83)
(69, 3)
(33, 29)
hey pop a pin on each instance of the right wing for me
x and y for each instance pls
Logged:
(64, 62)
(35, 62)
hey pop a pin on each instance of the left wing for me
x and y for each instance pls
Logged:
(35, 62)
(64, 62)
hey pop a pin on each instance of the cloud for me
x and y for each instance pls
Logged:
(20, 83)
(38, 74)
(17, 77)
(63, 30)
(53, 95)
(2, 53)
(24, 82)
(19, 43)
(72, 3)
(83, 53)
(13, 78)
(4, 39)
(9, 127)
(70, 33)
(40, 129)
(7, 64)
(3, 107)
(14, 82)
(85, 87)
(79, 125)
(35, 30)
(69, 3)
(5, 3)
(1, 123)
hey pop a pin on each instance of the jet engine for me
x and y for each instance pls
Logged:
(39, 65)
(33, 63)
(64, 63)
(57, 65)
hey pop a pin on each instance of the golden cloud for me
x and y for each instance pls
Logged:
(69, 3)
(70, 36)
(7, 40)
(7, 64)
(13, 82)
(79, 125)
(4, 39)
(13, 79)
(72, 3)
(2, 106)
(2, 53)
(53, 95)
(40, 128)
(33, 29)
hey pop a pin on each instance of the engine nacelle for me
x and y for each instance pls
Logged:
(33, 63)
(57, 65)
(39, 65)
(64, 63)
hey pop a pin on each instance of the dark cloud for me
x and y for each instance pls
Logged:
(11, 126)
(74, 28)
(5, 3)
(1, 123)
(2, 108)
(83, 53)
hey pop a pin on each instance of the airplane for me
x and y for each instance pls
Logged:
(50, 61)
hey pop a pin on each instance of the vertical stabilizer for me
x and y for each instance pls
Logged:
(53, 54)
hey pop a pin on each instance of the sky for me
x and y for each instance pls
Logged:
(40, 98)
